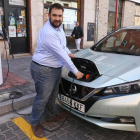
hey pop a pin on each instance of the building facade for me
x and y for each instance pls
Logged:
(24, 18)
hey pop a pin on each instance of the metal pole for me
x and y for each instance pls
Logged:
(116, 14)
(96, 21)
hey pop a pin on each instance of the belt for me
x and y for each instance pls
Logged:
(37, 63)
(44, 65)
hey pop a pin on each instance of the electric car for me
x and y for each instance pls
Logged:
(109, 93)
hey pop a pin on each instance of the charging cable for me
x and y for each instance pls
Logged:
(8, 39)
(70, 89)
(15, 95)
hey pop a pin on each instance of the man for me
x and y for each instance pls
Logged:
(46, 65)
(78, 32)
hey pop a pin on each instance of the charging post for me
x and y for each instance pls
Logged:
(1, 77)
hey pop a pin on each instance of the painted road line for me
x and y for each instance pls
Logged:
(26, 128)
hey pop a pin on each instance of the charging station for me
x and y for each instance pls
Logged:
(1, 77)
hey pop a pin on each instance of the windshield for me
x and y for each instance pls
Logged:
(126, 41)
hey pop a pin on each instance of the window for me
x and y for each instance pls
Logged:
(123, 41)
(111, 15)
(70, 16)
(69, 19)
(17, 19)
(17, 2)
(48, 2)
(115, 40)
(1, 18)
(137, 15)
(67, 3)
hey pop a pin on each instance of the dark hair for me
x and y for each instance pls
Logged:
(57, 6)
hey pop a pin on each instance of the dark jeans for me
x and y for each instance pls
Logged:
(47, 81)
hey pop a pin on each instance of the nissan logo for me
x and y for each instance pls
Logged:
(73, 89)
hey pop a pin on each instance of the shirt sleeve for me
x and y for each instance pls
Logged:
(73, 32)
(68, 51)
(52, 44)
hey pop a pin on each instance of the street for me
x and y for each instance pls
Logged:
(73, 129)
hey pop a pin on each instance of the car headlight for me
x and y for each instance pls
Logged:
(127, 88)
(133, 87)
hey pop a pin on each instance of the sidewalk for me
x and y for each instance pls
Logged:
(19, 79)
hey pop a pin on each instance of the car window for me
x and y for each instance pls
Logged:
(124, 41)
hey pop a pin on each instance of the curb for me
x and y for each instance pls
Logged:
(19, 103)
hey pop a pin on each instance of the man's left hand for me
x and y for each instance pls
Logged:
(72, 55)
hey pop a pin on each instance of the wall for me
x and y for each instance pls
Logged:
(3, 51)
(37, 9)
(128, 13)
(89, 16)
(102, 18)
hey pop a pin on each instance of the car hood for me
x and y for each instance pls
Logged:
(125, 67)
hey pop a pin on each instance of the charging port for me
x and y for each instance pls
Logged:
(87, 67)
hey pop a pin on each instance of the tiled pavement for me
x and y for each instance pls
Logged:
(19, 78)
(12, 80)
(73, 129)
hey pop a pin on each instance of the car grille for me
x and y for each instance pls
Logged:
(78, 91)
(79, 94)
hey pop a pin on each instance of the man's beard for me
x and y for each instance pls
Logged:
(53, 23)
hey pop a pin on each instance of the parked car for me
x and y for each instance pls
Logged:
(109, 93)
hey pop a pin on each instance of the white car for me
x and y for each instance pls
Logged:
(109, 93)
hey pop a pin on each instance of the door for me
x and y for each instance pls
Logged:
(16, 23)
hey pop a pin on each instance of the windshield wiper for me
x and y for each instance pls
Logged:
(98, 48)
(115, 51)
(119, 52)
(129, 53)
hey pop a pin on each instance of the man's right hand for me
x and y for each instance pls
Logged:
(70, 37)
(79, 75)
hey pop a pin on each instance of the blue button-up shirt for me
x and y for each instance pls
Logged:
(51, 48)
